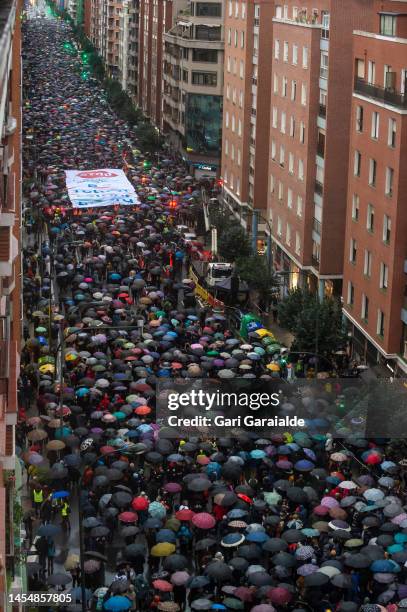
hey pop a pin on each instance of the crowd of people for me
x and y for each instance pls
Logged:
(292, 521)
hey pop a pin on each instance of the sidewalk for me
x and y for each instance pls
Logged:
(283, 335)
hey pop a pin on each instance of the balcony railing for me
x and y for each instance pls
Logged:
(317, 226)
(380, 93)
(315, 261)
(319, 188)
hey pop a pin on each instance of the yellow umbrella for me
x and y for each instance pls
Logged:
(163, 549)
(274, 367)
(71, 357)
(262, 332)
(48, 368)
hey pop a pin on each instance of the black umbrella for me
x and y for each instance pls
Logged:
(293, 535)
(152, 523)
(239, 564)
(249, 551)
(49, 530)
(205, 543)
(100, 532)
(218, 571)
(132, 551)
(100, 481)
(154, 457)
(175, 563)
(357, 561)
(316, 579)
(199, 484)
(284, 559)
(90, 522)
(119, 586)
(373, 552)
(260, 579)
(274, 545)
(342, 581)
(231, 470)
(129, 530)
(297, 495)
(121, 499)
(198, 582)
(283, 485)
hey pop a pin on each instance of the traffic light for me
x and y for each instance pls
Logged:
(146, 164)
(172, 204)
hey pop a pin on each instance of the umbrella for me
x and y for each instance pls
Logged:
(203, 520)
(168, 606)
(342, 581)
(357, 561)
(59, 579)
(117, 603)
(163, 585)
(316, 579)
(218, 571)
(163, 549)
(49, 530)
(279, 596)
(180, 578)
(201, 604)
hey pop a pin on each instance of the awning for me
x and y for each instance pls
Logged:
(184, 23)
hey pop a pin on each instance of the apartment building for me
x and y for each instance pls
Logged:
(193, 85)
(128, 47)
(105, 32)
(375, 258)
(246, 106)
(10, 271)
(156, 18)
(311, 68)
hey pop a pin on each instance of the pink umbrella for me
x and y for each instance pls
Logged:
(263, 608)
(279, 596)
(180, 578)
(399, 518)
(172, 487)
(203, 520)
(329, 502)
(321, 510)
(128, 517)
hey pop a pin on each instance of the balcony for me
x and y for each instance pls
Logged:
(389, 96)
(315, 262)
(321, 150)
(317, 226)
(319, 188)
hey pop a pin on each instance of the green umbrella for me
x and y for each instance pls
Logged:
(233, 604)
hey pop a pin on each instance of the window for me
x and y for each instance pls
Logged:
(185, 76)
(357, 163)
(205, 55)
(372, 172)
(388, 25)
(229, 36)
(302, 132)
(365, 307)
(276, 49)
(297, 243)
(292, 126)
(279, 227)
(208, 9)
(241, 99)
(380, 323)
(359, 118)
(235, 37)
(230, 8)
(234, 95)
(289, 198)
(238, 186)
(203, 32)
(272, 183)
(391, 136)
(285, 53)
(285, 11)
(239, 129)
(236, 9)
(370, 218)
(227, 119)
(355, 207)
(288, 235)
(279, 12)
(375, 126)
(371, 72)
(323, 71)
(389, 182)
(232, 152)
(291, 163)
(295, 55)
(303, 94)
(299, 206)
(284, 87)
(293, 90)
(241, 73)
(360, 68)
(243, 10)
(283, 123)
(242, 40)
(233, 123)
(228, 63)
(352, 251)
(367, 266)
(228, 92)
(275, 117)
(282, 155)
(305, 57)
(226, 147)
(351, 294)
(386, 229)
(275, 84)
(273, 150)
(295, 12)
(300, 170)
(384, 276)
(280, 191)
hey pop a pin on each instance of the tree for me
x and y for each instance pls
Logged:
(255, 270)
(232, 239)
(291, 306)
(318, 327)
(148, 139)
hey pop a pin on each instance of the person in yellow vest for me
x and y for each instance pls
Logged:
(65, 511)
(37, 499)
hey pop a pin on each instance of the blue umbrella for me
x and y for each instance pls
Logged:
(115, 277)
(176, 457)
(157, 510)
(400, 538)
(310, 533)
(385, 566)
(259, 537)
(60, 494)
(218, 606)
(82, 392)
(236, 513)
(213, 468)
(62, 432)
(165, 535)
(304, 465)
(257, 454)
(232, 539)
(117, 603)
(309, 454)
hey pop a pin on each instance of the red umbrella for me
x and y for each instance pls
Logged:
(204, 520)
(321, 510)
(373, 459)
(184, 515)
(245, 498)
(128, 517)
(162, 585)
(203, 460)
(106, 450)
(142, 410)
(279, 596)
(140, 503)
(243, 593)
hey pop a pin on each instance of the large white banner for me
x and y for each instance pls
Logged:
(104, 187)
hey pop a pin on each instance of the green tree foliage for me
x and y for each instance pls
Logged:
(233, 242)
(254, 269)
(316, 325)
